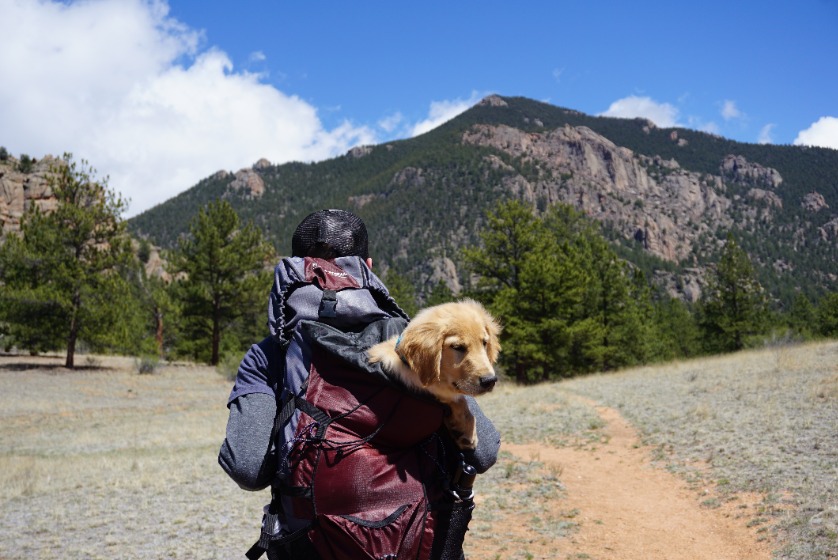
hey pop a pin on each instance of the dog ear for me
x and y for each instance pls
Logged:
(421, 347)
(494, 330)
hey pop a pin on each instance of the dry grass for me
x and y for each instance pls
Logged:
(761, 421)
(106, 463)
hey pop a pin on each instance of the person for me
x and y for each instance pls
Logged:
(249, 452)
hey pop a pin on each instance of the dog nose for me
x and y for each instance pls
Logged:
(487, 382)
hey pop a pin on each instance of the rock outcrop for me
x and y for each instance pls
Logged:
(648, 199)
(247, 182)
(20, 191)
(740, 170)
(814, 202)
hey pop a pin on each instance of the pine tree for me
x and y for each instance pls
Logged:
(62, 275)
(568, 304)
(223, 286)
(827, 315)
(734, 304)
(439, 294)
(402, 291)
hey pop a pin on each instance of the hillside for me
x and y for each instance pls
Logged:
(667, 198)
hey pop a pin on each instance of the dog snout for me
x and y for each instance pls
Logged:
(487, 382)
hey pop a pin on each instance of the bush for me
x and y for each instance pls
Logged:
(4, 154)
(147, 365)
(228, 365)
(25, 164)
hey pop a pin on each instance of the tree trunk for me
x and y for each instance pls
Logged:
(74, 332)
(216, 336)
(158, 316)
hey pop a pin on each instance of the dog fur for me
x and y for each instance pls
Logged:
(450, 351)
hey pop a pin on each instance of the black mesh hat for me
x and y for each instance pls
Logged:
(330, 233)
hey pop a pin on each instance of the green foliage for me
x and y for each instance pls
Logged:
(802, 317)
(734, 304)
(64, 275)
(147, 364)
(223, 283)
(439, 294)
(567, 303)
(144, 250)
(402, 291)
(228, 366)
(827, 315)
(26, 163)
(4, 154)
(677, 333)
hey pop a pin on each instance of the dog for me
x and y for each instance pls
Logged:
(449, 351)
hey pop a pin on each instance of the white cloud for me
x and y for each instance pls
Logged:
(390, 123)
(765, 134)
(124, 86)
(443, 111)
(730, 110)
(823, 133)
(663, 115)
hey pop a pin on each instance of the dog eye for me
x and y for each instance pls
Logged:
(485, 343)
(458, 347)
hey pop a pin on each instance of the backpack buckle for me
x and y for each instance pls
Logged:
(328, 304)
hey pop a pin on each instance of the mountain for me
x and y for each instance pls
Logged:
(666, 198)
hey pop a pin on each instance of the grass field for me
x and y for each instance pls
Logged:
(105, 463)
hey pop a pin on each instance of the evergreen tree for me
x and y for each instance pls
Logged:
(828, 315)
(439, 294)
(62, 275)
(802, 317)
(568, 304)
(402, 291)
(223, 282)
(734, 304)
(676, 332)
(512, 232)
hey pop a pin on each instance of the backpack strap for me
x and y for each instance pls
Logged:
(266, 540)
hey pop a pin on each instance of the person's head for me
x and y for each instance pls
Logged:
(328, 234)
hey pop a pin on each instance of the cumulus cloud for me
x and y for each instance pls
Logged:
(823, 133)
(730, 111)
(443, 111)
(663, 115)
(125, 86)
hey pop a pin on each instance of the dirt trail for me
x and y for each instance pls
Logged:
(631, 510)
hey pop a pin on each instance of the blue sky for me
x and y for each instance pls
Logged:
(158, 95)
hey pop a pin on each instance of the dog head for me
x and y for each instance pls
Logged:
(453, 348)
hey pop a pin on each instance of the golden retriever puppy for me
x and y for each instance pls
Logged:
(448, 350)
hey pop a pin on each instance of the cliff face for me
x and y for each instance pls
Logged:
(21, 190)
(650, 200)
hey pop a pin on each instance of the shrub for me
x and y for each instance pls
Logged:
(228, 365)
(148, 364)
(25, 164)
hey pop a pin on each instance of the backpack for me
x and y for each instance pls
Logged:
(363, 472)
